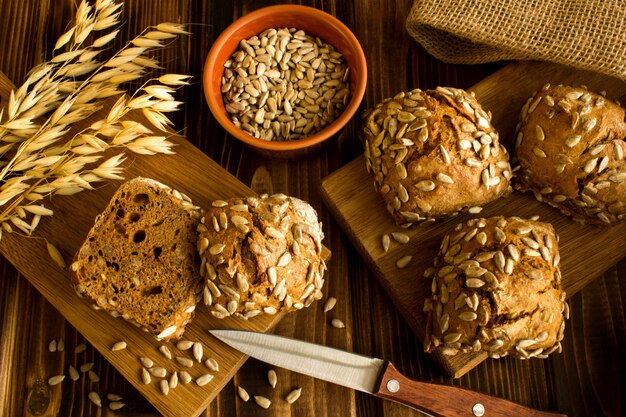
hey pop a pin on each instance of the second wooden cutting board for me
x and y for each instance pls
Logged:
(586, 251)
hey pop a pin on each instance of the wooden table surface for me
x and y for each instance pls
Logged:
(588, 378)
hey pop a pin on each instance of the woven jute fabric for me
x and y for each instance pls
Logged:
(587, 34)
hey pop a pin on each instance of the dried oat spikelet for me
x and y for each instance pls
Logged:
(37, 160)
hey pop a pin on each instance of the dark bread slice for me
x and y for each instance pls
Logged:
(139, 261)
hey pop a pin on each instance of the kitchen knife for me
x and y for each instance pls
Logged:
(371, 375)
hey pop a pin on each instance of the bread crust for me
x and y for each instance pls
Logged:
(434, 154)
(260, 255)
(139, 262)
(570, 149)
(496, 287)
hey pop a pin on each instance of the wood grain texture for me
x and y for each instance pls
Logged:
(572, 383)
(586, 251)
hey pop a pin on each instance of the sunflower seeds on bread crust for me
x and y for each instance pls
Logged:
(571, 147)
(433, 154)
(260, 255)
(492, 291)
(139, 260)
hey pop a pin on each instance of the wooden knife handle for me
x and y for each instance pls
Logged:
(448, 401)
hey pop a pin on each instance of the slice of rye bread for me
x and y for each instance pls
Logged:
(139, 261)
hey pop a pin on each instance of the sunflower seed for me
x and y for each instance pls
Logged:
(145, 376)
(293, 396)
(74, 376)
(468, 316)
(204, 379)
(183, 361)
(425, 185)
(404, 261)
(386, 241)
(158, 372)
(84, 368)
(173, 381)
(451, 338)
(184, 377)
(243, 394)
(475, 210)
(93, 377)
(61, 345)
(165, 351)
(197, 350)
(95, 398)
(284, 259)
(116, 405)
(539, 133)
(54, 380)
(337, 323)
(446, 179)
(330, 304)
(184, 344)
(539, 152)
(272, 378)
(474, 283)
(80, 348)
(572, 141)
(400, 237)
(262, 402)
(52, 346)
(534, 274)
(212, 365)
(164, 386)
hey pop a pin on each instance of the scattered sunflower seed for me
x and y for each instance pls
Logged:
(386, 241)
(404, 261)
(330, 304)
(243, 394)
(145, 376)
(147, 362)
(184, 361)
(119, 346)
(204, 379)
(184, 344)
(401, 237)
(173, 382)
(293, 396)
(52, 346)
(165, 351)
(94, 397)
(212, 365)
(272, 378)
(197, 351)
(185, 378)
(55, 380)
(164, 386)
(86, 367)
(93, 377)
(74, 375)
(337, 323)
(262, 402)
(158, 372)
(80, 348)
(116, 405)
(61, 345)
(114, 397)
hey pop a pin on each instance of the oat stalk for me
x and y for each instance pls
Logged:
(38, 159)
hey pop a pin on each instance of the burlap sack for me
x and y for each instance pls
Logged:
(587, 34)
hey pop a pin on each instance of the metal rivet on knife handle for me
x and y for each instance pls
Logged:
(478, 409)
(393, 385)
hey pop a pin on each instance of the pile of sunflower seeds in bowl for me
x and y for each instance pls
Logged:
(284, 84)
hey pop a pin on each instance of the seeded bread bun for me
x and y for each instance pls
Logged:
(139, 261)
(496, 287)
(570, 147)
(434, 154)
(260, 255)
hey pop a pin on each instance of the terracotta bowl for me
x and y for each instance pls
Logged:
(315, 23)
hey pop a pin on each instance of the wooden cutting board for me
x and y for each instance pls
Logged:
(586, 251)
(189, 171)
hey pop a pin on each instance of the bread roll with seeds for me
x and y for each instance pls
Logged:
(260, 255)
(570, 148)
(139, 260)
(496, 287)
(434, 154)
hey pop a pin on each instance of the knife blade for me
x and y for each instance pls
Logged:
(372, 375)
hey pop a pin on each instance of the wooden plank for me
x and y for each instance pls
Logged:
(189, 171)
(586, 251)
